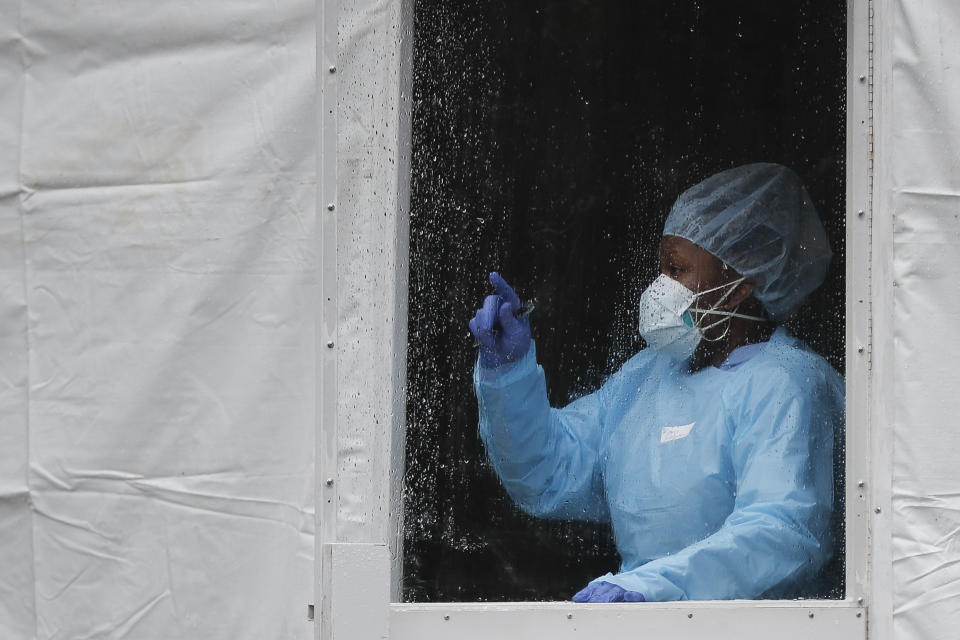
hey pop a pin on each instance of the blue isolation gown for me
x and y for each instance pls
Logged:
(718, 484)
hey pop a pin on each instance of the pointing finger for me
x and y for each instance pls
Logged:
(504, 289)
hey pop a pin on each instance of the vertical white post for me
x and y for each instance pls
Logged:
(859, 180)
(365, 173)
(327, 13)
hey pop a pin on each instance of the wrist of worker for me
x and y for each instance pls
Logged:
(503, 372)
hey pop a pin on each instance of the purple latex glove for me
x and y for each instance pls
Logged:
(606, 592)
(503, 337)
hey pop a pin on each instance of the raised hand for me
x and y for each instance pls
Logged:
(503, 336)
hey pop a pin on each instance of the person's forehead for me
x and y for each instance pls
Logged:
(684, 248)
(689, 253)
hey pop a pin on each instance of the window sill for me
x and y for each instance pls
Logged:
(742, 619)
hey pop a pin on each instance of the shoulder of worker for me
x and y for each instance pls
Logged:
(787, 365)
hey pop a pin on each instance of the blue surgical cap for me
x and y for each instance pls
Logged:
(759, 220)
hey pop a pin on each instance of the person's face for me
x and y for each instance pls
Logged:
(695, 268)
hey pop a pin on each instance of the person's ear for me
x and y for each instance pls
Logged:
(743, 291)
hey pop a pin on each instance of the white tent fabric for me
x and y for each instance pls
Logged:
(157, 283)
(919, 157)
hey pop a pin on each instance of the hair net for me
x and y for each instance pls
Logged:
(759, 220)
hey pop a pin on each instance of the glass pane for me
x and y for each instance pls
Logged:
(550, 140)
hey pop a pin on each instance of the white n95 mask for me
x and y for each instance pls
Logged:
(666, 322)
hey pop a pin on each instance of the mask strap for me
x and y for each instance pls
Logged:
(723, 335)
(727, 315)
(732, 285)
(732, 314)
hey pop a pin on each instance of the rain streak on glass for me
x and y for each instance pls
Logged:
(549, 141)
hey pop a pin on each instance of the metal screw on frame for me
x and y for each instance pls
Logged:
(333, 69)
(330, 345)
(331, 207)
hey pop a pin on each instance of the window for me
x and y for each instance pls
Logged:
(565, 204)
(549, 141)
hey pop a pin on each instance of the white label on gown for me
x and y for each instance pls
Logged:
(675, 433)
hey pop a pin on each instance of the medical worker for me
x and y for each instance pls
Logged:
(710, 451)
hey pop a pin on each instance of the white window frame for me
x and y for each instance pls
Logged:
(362, 207)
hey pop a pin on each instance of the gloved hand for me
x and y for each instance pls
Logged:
(606, 592)
(503, 337)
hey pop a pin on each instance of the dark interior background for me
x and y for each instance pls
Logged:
(549, 140)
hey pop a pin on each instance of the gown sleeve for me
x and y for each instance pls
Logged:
(778, 532)
(547, 459)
